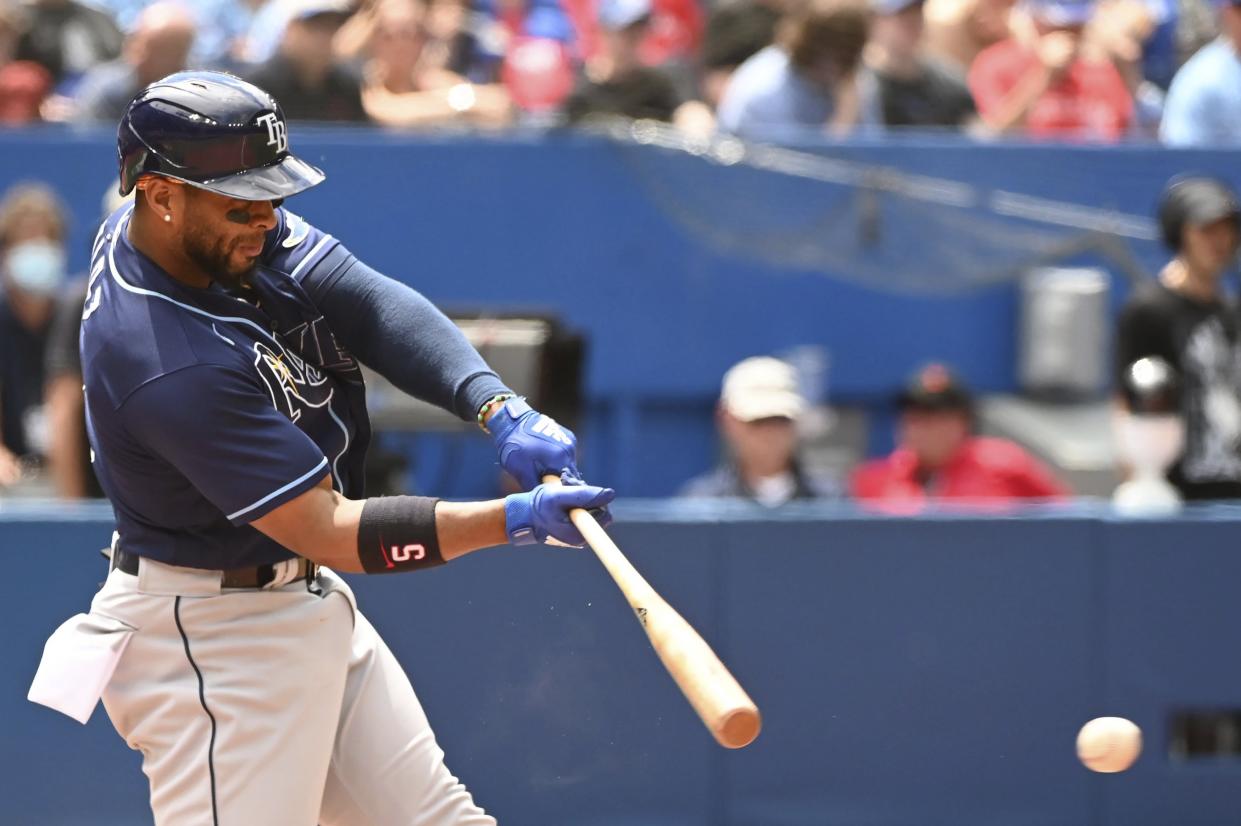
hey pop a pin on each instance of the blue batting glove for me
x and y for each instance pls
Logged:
(544, 512)
(532, 445)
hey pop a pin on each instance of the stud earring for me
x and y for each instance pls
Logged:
(167, 218)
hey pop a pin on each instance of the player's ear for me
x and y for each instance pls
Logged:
(163, 198)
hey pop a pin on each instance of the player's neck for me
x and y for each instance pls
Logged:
(165, 255)
(1179, 277)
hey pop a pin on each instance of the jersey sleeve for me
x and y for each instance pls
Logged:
(297, 247)
(388, 325)
(222, 432)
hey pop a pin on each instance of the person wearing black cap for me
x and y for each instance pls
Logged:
(914, 90)
(1185, 319)
(939, 457)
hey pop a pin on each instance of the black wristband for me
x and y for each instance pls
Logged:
(397, 533)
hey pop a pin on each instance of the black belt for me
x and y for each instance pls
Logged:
(257, 577)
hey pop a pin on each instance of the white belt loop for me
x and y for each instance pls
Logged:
(161, 579)
(283, 572)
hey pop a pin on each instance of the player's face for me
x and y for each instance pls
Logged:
(1211, 248)
(224, 236)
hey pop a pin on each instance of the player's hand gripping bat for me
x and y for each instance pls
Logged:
(721, 702)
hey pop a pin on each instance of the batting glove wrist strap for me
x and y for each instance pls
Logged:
(532, 445)
(397, 533)
(544, 512)
(519, 519)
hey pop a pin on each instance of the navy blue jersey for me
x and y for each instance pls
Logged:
(207, 410)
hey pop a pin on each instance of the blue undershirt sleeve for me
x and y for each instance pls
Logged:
(397, 332)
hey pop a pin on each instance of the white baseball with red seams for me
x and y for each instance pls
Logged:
(1109, 744)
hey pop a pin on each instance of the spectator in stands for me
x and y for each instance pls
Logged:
(67, 38)
(68, 450)
(616, 82)
(1204, 103)
(407, 80)
(304, 75)
(23, 83)
(914, 90)
(940, 458)
(1044, 85)
(158, 45)
(24, 86)
(1122, 30)
(958, 30)
(1185, 319)
(735, 32)
(757, 416)
(811, 78)
(32, 271)
(220, 26)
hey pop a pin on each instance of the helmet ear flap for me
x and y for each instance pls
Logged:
(131, 168)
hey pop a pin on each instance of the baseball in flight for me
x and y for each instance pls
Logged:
(1109, 744)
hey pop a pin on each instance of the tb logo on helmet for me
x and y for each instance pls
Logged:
(277, 132)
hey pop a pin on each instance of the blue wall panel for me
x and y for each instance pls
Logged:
(1173, 640)
(923, 671)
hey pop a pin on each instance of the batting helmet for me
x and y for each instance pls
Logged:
(1195, 201)
(214, 131)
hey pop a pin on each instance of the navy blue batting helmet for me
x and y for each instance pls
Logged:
(214, 131)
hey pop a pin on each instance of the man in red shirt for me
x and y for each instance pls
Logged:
(1044, 83)
(940, 458)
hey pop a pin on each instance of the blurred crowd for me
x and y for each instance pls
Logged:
(1178, 400)
(1079, 70)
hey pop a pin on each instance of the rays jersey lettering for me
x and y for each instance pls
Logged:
(293, 385)
(201, 418)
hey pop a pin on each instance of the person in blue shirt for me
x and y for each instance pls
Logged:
(158, 45)
(810, 79)
(1203, 107)
(221, 341)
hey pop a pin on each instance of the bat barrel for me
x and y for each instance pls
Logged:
(720, 701)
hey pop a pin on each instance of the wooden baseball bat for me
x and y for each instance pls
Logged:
(726, 710)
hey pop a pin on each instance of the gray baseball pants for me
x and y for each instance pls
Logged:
(278, 707)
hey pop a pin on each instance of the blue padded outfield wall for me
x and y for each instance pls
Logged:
(649, 252)
(912, 672)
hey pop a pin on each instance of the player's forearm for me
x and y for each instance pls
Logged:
(396, 331)
(324, 527)
(469, 526)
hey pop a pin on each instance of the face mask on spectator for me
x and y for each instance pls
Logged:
(36, 267)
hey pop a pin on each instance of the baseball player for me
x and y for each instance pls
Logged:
(220, 347)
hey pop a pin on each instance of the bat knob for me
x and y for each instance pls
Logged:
(740, 728)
